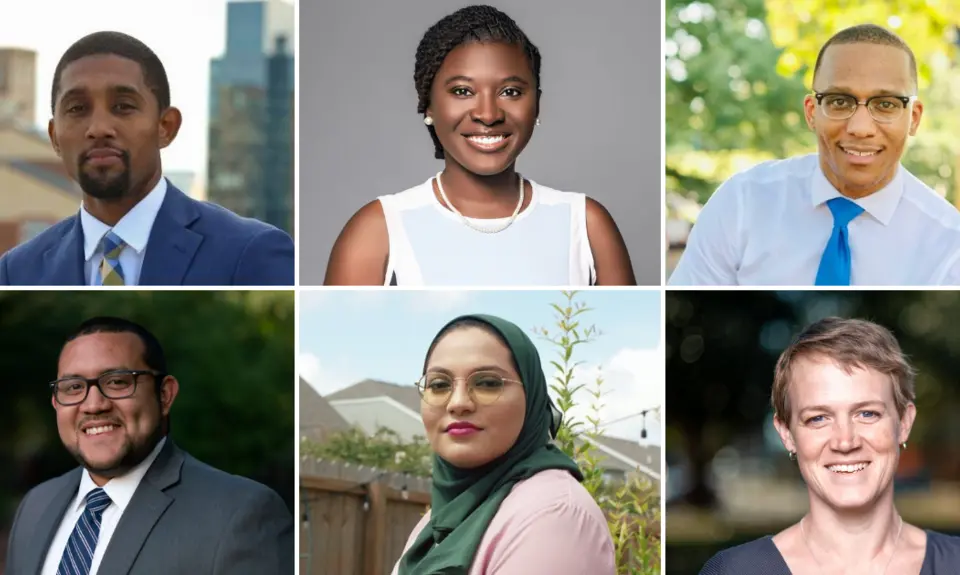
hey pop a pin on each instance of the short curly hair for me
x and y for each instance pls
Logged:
(470, 24)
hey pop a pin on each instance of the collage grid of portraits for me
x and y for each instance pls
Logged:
(760, 291)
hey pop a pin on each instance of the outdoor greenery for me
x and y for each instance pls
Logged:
(632, 508)
(737, 72)
(384, 450)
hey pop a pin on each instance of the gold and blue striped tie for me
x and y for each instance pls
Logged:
(111, 274)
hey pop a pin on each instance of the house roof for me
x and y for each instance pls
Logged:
(647, 457)
(316, 415)
(51, 173)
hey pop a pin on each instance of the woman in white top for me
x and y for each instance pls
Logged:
(479, 222)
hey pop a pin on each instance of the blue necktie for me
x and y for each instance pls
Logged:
(78, 555)
(835, 264)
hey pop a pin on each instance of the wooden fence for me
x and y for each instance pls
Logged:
(356, 520)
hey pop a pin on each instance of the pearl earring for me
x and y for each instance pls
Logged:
(538, 121)
(428, 121)
(904, 444)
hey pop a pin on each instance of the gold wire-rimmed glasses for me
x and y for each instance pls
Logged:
(484, 387)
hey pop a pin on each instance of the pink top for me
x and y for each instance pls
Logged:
(548, 524)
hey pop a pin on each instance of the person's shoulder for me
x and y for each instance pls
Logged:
(945, 549)
(411, 198)
(757, 557)
(930, 202)
(42, 242)
(219, 484)
(549, 195)
(554, 489)
(773, 171)
(223, 221)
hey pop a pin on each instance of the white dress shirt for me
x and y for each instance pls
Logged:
(769, 225)
(133, 228)
(120, 490)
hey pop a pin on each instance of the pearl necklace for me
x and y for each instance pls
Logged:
(473, 226)
(820, 567)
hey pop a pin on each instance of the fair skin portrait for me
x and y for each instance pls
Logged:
(133, 423)
(846, 432)
(862, 70)
(108, 129)
(459, 354)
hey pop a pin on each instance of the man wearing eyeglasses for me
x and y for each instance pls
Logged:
(138, 504)
(849, 214)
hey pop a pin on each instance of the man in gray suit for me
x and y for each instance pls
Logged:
(138, 505)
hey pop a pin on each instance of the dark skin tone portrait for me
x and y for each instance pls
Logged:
(484, 105)
(860, 155)
(108, 129)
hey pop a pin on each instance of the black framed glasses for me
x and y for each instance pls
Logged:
(118, 384)
(484, 387)
(883, 109)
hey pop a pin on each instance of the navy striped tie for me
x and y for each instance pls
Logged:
(78, 555)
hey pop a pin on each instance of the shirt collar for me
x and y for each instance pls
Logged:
(119, 489)
(133, 228)
(880, 204)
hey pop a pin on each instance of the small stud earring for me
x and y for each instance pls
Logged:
(904, 444)
(428, 121)
(538, 121)
(793, 456)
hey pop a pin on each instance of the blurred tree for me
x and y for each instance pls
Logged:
(383, 450)
(718, 372)
(233, 353)
(737, 72)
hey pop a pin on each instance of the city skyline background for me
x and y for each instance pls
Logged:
(231, 69)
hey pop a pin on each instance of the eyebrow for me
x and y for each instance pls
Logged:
(446, 371)
(849, 91)
(516, 79)
(855, 406)
(102, 373)
(122, 89)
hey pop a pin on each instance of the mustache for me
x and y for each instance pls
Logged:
(100, 420)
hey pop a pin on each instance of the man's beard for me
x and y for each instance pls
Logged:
(131, 454)
(111, 188)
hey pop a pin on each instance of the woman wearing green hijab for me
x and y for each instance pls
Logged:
(505, 500)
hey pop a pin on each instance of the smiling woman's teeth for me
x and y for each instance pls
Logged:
(856, 153)
(848, 468)
(486, 139)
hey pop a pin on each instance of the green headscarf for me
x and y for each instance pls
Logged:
(464, 501)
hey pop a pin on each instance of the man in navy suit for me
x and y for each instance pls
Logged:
(111, 117)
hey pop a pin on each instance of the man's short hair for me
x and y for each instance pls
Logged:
(851, 343)
(868, 34)
(153, 354)
(117, 44)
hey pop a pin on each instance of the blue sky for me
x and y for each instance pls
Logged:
(350, 335)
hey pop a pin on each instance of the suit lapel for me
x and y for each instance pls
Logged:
(172, 244)
(50, 522)
(64, 261)
(145, 509)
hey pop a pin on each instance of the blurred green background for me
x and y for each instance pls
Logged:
(728, 476)
(233, 353)
(737, 72)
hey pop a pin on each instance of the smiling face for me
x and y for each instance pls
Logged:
(484, 104)
(845, 430)
(859, 155)
(107, 126)
(111, 436)
(460, 354)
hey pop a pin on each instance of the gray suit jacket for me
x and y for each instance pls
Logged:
(185, 517)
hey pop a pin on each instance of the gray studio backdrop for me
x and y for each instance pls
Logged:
(361, 136)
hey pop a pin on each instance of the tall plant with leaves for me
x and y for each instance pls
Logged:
(632, 508)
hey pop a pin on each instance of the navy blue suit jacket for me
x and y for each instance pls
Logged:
(191, 243)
